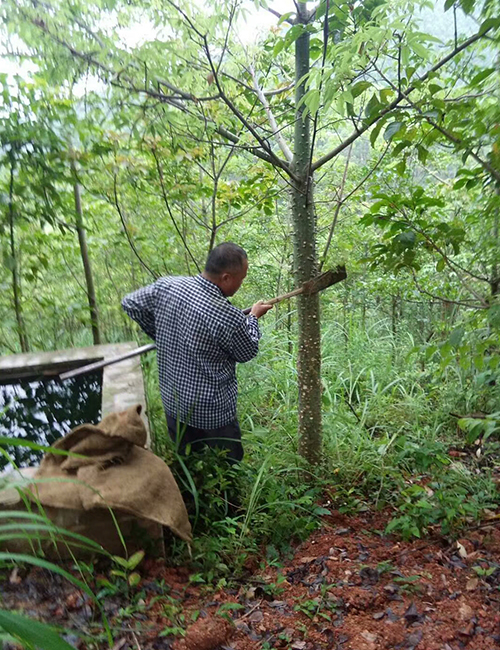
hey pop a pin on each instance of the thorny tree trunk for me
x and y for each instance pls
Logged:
(305, 268)
(89, 280)
(16, 287)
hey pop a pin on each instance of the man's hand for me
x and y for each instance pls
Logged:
(260, 308)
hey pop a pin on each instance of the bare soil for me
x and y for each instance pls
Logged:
(348, 587)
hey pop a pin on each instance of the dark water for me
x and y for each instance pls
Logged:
(43, 410)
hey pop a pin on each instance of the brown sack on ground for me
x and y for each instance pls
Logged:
(116, 472)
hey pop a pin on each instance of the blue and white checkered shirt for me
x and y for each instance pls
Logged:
(199, 338)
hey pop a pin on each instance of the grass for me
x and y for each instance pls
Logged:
(386, 422)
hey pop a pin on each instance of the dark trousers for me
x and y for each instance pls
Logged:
(227, 437)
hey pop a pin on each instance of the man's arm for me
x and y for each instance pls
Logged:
(140, 305)
(245, 340)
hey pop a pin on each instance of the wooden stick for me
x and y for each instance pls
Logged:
(83, 370)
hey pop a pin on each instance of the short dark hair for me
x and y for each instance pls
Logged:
(225, 257)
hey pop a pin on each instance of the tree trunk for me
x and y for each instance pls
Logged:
(394, 316)
(305, 266)
(16, 286)
(495, 274)
(87, 267)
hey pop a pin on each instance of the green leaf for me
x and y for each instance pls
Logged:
(490, 23)
(481, 76)
(33, 632)
(401, 167)
(494, 316)
(359, 88)
(9, 262)
(135, 560)
(293, 34)
(422, 153)
(376, 130)
(460, 183)
(373, 106)
(420, 50)
(285, 17)
(448, 4)
(440, 265)
(391, 130)
(134, 579)
(456, 336)
(312, 101)
(467, 5)
(280, 44)
(407, 238)
(399, 147)
(121, 561)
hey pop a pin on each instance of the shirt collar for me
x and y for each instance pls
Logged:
(209, 286)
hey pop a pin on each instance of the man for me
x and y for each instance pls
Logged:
(199, 338)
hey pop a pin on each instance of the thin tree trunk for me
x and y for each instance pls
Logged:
(16, 286)
(87, 267)
(394, 312)
(495, 274)
(305, 266)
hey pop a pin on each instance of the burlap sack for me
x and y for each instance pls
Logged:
(115, 472)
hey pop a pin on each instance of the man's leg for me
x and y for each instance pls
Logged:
(182, 435)
(227, 437)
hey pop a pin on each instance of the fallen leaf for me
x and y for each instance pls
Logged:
(256, 617)
(472, 584)
(307, 560)
(368, 636)
(298, 645)
(466, 612)
(411, 615)
(15, 578)
(461, 550)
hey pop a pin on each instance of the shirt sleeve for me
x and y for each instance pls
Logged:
(244, 343)
(140, 305)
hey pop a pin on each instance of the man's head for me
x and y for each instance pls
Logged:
(226, 266)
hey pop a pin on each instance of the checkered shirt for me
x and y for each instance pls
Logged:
(199, 338)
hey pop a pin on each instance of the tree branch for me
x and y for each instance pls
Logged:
(340, 202)
(354, 136)
(275, 130)
(171, 101)
(127, 234)
(442, 299)
(265, 146)
(165, 199)
(449, 136)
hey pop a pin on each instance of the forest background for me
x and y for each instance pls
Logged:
(135, 136)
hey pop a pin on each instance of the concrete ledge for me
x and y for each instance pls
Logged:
(122, 383)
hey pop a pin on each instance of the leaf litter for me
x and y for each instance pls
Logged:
(348, 587)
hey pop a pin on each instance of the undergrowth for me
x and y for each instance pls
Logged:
(387, 432)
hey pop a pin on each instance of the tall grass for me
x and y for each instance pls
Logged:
(386, 416)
